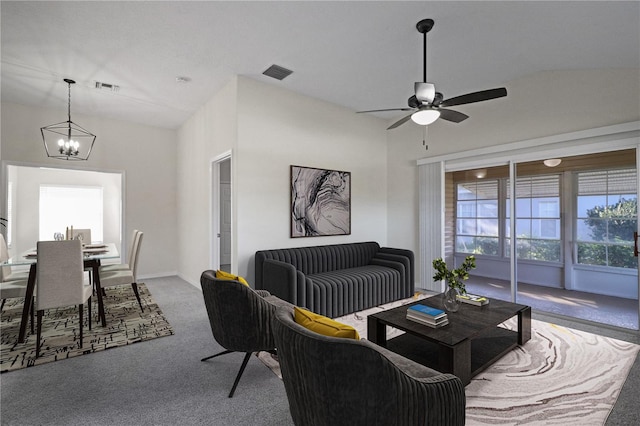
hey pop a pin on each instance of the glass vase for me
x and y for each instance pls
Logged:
(451, 302)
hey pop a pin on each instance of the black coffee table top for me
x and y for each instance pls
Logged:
(468, 322)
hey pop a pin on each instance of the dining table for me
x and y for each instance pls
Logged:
(93, 256)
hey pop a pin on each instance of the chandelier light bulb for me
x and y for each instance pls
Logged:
(68, 147)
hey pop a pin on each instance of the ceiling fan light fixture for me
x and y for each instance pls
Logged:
(424, 117)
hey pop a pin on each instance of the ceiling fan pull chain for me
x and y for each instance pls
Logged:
(424, 138)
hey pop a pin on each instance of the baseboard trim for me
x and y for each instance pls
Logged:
(195, 284)
(158, 275)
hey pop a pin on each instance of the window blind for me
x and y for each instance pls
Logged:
(77, 206)
(622, 181)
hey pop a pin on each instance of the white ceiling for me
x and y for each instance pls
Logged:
(361, 55)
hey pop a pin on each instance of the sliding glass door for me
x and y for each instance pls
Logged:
(572, 233)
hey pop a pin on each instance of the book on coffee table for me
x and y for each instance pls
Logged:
(473, 299)
(443, 320)
(427, 312)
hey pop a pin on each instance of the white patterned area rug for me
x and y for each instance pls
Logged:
(126, 325)
(560, 376)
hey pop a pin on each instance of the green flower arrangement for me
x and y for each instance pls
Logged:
(455, 277)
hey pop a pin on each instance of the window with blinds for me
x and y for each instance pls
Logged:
(538, 227)
(477, 218)
(606, 217)
(64, 206)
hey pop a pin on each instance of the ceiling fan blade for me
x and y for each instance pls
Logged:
(425, 92)
(382, 110)
(453, 116)
(470, 98)
(400, 122)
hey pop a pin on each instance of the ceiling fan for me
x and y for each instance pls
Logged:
(427, 105)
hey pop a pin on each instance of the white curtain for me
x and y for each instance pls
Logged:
(431, 199)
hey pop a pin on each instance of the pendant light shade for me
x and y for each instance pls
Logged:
(67, 140)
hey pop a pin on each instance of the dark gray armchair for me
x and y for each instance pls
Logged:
(240, 318)
(335, 381)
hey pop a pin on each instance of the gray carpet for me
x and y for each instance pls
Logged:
(150, 383)
(163, 382)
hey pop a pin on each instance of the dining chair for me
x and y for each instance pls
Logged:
(12, 284)
(125, 276)
(14, 290)
(83, 235)
(11, 290)
(6, 272)
(61, 281)
(123, 266)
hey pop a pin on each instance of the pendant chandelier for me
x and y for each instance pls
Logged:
(67, 140)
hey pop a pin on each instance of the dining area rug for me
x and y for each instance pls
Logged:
(561, 376)
(125, 325)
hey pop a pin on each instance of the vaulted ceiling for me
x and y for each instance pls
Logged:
(361, 55)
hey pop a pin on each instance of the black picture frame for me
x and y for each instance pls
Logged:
(320, 202)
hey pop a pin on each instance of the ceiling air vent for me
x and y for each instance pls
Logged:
(107, 86)
(277, 72)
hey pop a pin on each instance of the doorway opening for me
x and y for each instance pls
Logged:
(221, 257)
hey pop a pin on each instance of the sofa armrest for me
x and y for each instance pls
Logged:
(280, 279)
(401, 255)
(393, 264)
(401, 264)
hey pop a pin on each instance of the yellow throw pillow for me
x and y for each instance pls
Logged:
(323, 325)
(222, 275)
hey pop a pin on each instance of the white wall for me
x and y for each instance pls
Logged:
(209, 133)
(279, 128)
(268, 129)
(542, 104)
(275, 129)
(145, 154)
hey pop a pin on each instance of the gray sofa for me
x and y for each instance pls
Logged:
(337, 381)
(336, 280)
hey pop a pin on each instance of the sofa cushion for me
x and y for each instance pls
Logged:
(222, 275)
(354, 289)
(323, 325)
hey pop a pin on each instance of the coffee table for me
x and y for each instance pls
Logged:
(470, 343)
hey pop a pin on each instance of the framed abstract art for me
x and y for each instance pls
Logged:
(320, 202)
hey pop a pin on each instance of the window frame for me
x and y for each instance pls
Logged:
(96, 203)
(503, 237)
(606, 244)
